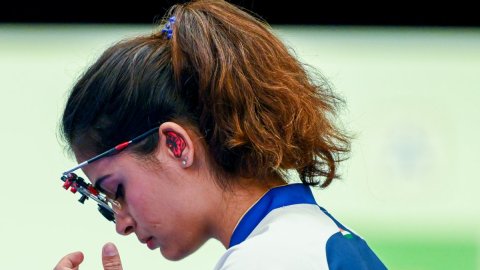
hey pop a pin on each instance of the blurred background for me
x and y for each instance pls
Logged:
(410, 79)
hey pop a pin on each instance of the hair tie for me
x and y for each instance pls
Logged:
(168, 28)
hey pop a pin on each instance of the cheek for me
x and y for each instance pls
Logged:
(140, 205)
(157, 200)
(147, 206)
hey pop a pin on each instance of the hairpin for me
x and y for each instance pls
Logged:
(168, 28)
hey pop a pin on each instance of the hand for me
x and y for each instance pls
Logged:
(110, 259)
(70, 261)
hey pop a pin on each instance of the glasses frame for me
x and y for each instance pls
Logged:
(77, 184)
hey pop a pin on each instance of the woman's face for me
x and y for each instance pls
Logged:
(166, 205)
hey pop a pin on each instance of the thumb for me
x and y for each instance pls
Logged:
(110, 257)
(70, 261)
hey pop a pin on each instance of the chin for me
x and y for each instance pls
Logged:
(175, 253)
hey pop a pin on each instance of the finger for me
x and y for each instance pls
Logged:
(110, 257)
(70, 261)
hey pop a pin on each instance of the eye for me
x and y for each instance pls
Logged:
(120, 192)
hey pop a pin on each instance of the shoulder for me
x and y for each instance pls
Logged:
(292, 237)
(301, 236)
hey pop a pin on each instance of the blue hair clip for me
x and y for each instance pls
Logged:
(168, 28)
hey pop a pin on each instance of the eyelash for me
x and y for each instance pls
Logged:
(120, 192)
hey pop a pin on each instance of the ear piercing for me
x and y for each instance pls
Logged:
(184, 161)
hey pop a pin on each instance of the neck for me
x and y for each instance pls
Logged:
(235, 202)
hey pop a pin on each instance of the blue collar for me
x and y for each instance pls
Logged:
(275, 198)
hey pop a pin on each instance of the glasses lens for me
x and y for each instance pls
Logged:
(115, 205)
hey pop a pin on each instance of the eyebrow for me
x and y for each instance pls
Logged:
(98, 183)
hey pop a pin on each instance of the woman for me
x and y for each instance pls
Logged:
(223, 111)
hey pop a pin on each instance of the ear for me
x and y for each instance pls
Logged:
(177, 142)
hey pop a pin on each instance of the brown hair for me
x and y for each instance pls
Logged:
(225, 73)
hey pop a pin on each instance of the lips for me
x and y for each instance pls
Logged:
(151, 243)
(147, 240)
(144, 240)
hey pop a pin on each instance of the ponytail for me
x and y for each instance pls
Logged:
(260, 111)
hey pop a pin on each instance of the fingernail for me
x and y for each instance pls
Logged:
(109, 250)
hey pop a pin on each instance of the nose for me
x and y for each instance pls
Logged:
(124, 223)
